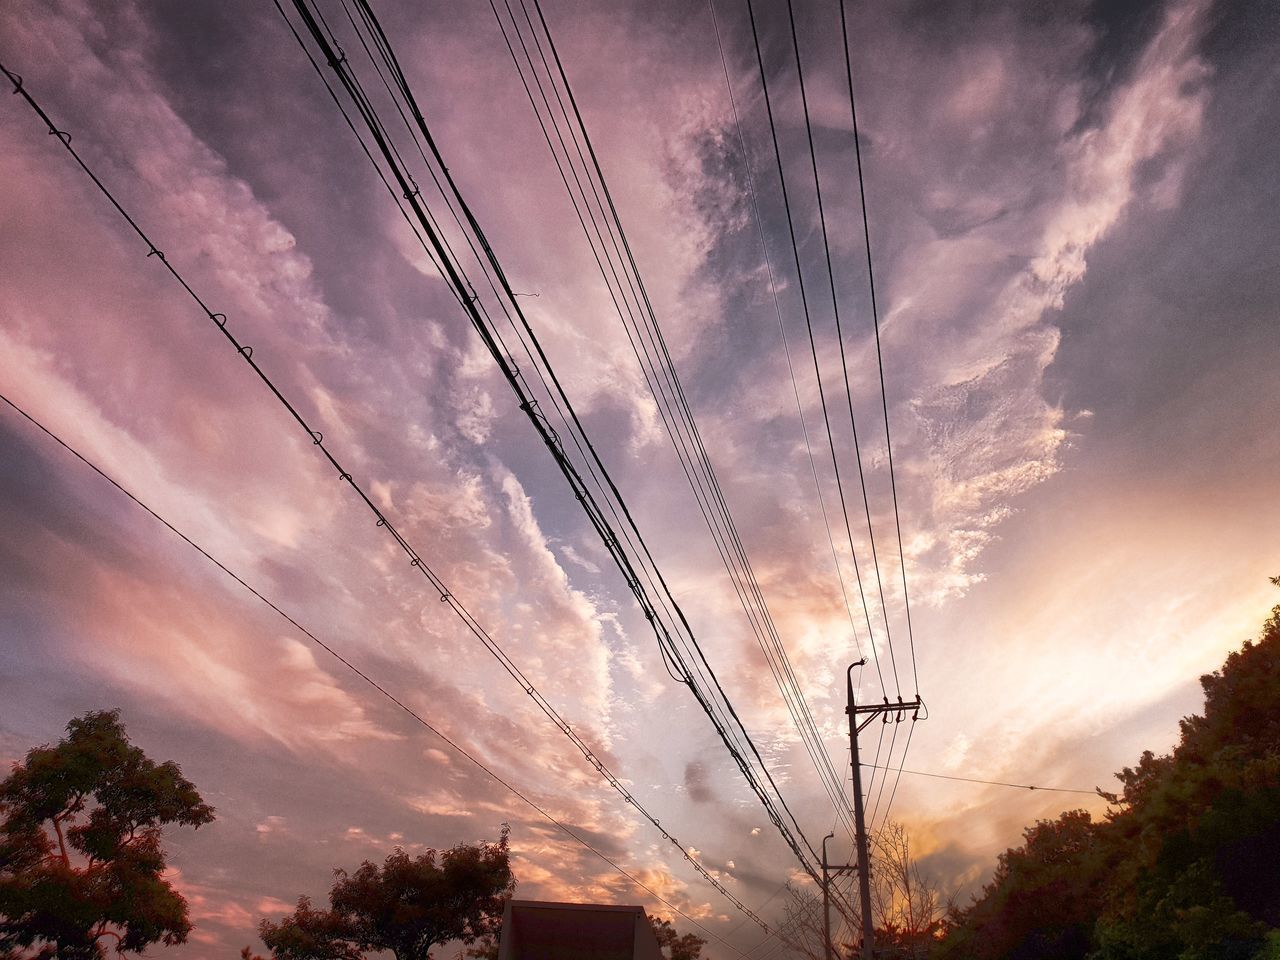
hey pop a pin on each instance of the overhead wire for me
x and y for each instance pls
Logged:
(804, 300)
(875, 317)
(668, 391)
(357, 671)
(795, 389)
(844, 364)
(777, 308)
(416, 560)
(643, 330)
(996, 783)
(897, 778)
(884, 401)
(590, 214)
(774, 803)
(893, 740)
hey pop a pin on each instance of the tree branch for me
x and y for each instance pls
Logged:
(62, 841)
(104, 932)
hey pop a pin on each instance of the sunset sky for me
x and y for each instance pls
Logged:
(1074, 234)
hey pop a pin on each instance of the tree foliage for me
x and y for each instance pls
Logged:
(405, 906)
(81, 860)
(676, 946)
(1184, 864)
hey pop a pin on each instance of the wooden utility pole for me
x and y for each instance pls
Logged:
(828, 873)
(826, 902)
(870, 711)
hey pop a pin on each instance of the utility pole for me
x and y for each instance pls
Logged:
(826, 901)
(870, 711)
(827, 871)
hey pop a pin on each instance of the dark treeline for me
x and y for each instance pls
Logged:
(1185, 865)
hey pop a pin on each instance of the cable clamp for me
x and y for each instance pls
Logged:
(219, 318)
(381, 522)
(415, 562)
(60, 134)
(247, 351)
(316, 437)
(154, 252)
(415, 192)
(446, 597)
(17, 82)
(342, 476)
(340, 59)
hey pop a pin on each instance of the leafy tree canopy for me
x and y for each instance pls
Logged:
(81, 861)
(675, 946)
(1183, 866)
(405, 907)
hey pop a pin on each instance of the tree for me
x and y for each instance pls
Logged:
(677, 947)
(1042, 901)
(1184, 863)
(81, 860)
(801, 928)
(405, 907)
(906, 902)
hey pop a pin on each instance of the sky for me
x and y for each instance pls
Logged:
(1071, 216)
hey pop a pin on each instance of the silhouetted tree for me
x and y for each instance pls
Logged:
(1184, 865)
(1042, 901)
(676, 947)
(1196, 834)
(486, 949)
(405, 907)
(81, 862)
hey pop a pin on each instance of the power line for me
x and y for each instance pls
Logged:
(644, 333)
(994, 783)
(804, 301)
(795, 389)
(875, 317)
(349, 665)
(884, 402)
(416, 560)
(694, 672)
(777, 309)
(844, 365)
(911, 732)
